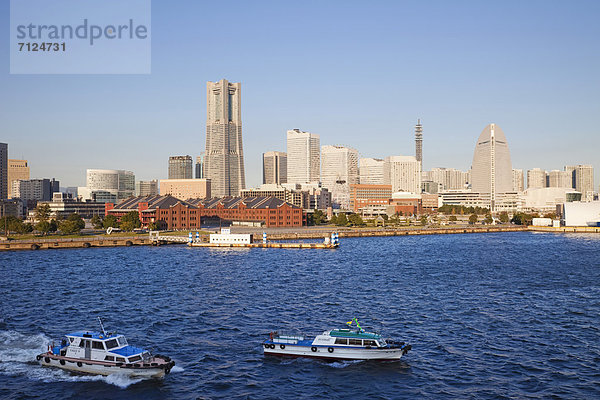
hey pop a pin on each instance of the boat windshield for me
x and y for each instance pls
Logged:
(111, 344)
(381, 342)
(122, 341)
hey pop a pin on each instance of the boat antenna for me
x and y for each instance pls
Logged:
(101, 326)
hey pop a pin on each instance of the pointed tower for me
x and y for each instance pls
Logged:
(419, 141)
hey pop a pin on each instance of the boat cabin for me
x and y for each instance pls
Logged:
(100, 347)
(350, 338)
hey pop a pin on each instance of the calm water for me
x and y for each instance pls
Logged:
(507, 315)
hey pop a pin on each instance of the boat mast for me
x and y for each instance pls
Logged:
(102, 326)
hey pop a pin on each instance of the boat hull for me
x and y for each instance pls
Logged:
(334, 352)
(100, 368)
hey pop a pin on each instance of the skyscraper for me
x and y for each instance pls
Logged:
(559, 179)
(180, 167)
(491, 171)
(17, 169)
(118, 182)
(339, 170)
(536, 178)
(146, 188)
(224, 159)
(304, 158)
(419, 142)
(584, 182)
(518, 180)
(3, 171)
(274, 167)
(200, 166)
(370, 171)
(403, 173)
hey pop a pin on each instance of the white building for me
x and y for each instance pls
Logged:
(584, 181)
(546, 199)
(448, 178)
(274, 167)
(304, 160)
(118, 182)
(403, 173)
(581, 213)
(536, 178)
(518, 180)
(371, 171)
(560, 179)
(339, 170)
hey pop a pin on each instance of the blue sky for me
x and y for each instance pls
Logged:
(357, 73)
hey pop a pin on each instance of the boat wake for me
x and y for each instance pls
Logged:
(17, 358)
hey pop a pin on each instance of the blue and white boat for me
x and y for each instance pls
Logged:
(102, 353)
(336, 344)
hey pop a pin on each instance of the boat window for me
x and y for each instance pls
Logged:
(122, 341)
(355, 342)
(120, 359)
(369, 343)
(97, 345)
(382, 343)
(134, 359)
(109, 358)
(341, 341)
(71, 339)
(84, 343)
(111, 344)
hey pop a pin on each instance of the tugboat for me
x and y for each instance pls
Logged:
(102, 353)
(336, 344)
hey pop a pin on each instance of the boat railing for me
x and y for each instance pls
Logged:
(285, 337)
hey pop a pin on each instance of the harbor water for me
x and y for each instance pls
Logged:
(499, 315)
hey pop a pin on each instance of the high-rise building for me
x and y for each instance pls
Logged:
(118, 182)
(370, 171)
(274, 167)
(570, 170)
(180, 167)
(304, 159)
(491, 171)
(518, 180)
(146, 188)
(3, 171)
(536, 178)
(403, 173)
(448, 178)
(185, 189)
(584, 182)
(200, 166)
(559, 179)
(419, 142)
(17, 169)
(339, 170)
(35, 189)
(224, 159)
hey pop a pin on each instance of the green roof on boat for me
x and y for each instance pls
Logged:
(347, 333)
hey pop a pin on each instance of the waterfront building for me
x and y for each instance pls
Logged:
(536, 178)
(363, 195)
(339, 170)
(509, 201)
(518, 180)
(419, 142)
(545, 200)
(371, 171)
(584, 181)
(296, 197)
(17, 170)
(403, 173)
(146, 188)
(3, 171)
(581, 213)
(200, 166)
(32, 191)
(121, 183)
(172, 213)
(186, 188)
(180, 167)
(62, 205)
(491, 171)
(304, 159)
(274, 167)
(224, 158)
(448, 178)
(560, 179)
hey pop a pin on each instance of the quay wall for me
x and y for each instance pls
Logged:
(74, 243)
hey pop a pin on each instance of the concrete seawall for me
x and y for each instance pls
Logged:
(75, 243)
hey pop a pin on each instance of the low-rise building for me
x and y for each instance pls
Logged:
(363, 195)
(62, 206)
(581, 213)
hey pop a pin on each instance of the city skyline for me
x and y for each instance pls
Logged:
(538, 94)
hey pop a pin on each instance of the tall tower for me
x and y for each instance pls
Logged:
(180, 167)
(419, 141)
(303, 157)
(224, 159)
(275, 167)
(3, 171)
(491, 171)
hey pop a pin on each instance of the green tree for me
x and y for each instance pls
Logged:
(153, 226)
(503, 217)
(110, 221)
(423, 220)
(356, 220)
(453, 218)
(12, 224)
(319, 217)
(73, 224)
(488, 219)
(42, 215)
(333, 219)
(53, 225)
(472, 219)
(43, 226)
(342, 220)
(130, 221)
(97, 222)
